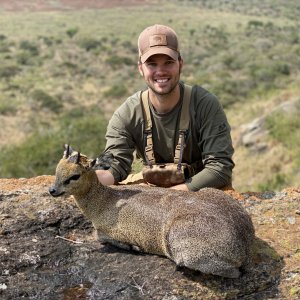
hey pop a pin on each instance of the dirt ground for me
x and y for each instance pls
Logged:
(47, 5)
(48, 251)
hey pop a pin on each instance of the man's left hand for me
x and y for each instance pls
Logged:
(180, 187)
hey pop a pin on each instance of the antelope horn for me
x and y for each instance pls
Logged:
(78, 158)
(67, 151)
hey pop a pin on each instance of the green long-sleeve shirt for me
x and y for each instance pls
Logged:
(208, 140)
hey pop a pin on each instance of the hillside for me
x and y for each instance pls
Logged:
(66, 65)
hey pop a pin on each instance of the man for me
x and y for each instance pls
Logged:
(205, 147)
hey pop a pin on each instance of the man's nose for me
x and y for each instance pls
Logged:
(160, 69)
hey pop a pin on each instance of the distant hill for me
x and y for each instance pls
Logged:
(66, 66)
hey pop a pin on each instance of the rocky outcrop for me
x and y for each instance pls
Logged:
(48, 251)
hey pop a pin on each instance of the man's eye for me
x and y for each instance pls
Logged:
(151, 64)
(74, 177)
(170, 62)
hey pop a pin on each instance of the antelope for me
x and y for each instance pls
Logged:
(207, 230)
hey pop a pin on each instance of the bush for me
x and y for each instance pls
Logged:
(278, 182)
(116, 61)
(255, 23)
(230, 90)
(40, 153)
(30, 47)
(72, 31)
(89, 43)
(4, 47)
(7, 107)
(285, 127)
(116, 91)
(282, 68)
(24, 58)
(47, 101)
(9, 71)
(128, 45)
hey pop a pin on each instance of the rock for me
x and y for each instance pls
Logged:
(254, 133)
(48, 251)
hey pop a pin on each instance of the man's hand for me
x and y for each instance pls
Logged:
(180, 187)
(105, 177)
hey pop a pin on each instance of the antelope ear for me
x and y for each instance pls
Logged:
(68, 151)
(92, 163)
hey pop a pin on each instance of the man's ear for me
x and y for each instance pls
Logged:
(140, 66)
(180, 64)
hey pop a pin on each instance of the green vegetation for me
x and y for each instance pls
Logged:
(71, 32)
(47, 101)
(277, 182)
(57, 65)
(118, 90)
(7, 107)
(39, 154)
(285, 128)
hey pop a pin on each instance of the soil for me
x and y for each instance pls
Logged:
(48, 251)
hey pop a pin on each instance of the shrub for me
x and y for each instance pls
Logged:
(255, 23)
(30, 47)
(115, 61)
(47, 101)
(232, 62)
(262, 73)
(192, 32)
(285, 127)
(24, 58)
(89, 43)
(128, 45)
(72, 32)
(276, 183)
(4, 47)
(9, 71)
(282, 68)
(7, 107)
(230, 90)
(47, 40)
(117, 90)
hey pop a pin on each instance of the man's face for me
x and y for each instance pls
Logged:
(161, 73)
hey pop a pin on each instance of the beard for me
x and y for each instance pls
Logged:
(168, 91)
(164, 93)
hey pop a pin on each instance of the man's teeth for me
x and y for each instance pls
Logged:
(161, 80)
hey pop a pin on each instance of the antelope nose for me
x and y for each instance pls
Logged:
(52, 190)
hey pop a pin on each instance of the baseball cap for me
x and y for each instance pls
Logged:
(158, 39)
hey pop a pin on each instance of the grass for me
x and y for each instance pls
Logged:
(39, 154)
(56, 62)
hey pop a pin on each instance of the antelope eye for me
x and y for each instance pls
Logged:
(74, 177)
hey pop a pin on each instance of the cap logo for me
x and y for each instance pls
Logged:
(158, 40)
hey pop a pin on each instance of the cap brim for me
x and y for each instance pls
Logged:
(159, 50)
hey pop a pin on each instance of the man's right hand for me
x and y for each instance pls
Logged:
(105, 177)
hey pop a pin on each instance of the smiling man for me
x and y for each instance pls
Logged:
(180, 132)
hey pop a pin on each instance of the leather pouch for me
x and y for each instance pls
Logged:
(164, 175)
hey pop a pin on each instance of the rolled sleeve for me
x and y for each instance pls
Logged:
(216, 147)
